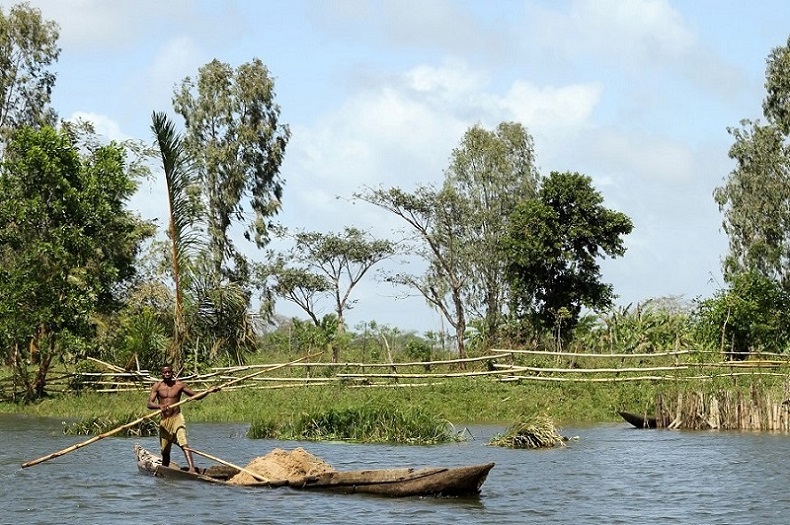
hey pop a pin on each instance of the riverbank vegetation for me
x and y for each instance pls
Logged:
(94, 300)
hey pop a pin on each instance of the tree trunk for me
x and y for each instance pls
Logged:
(40, 383)
(460, 325)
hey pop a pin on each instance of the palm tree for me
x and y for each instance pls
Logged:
(179, 176)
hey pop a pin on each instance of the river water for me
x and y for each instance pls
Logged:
(612, 474)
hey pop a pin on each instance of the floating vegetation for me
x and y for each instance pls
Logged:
(383, 424)
(101, 424)
(533, 432)
(262, 429)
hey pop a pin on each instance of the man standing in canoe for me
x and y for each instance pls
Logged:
(172, 427)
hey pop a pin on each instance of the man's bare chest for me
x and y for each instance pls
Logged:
(168, 391)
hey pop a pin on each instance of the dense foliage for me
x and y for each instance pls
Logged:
(234, 133)
(553, 247)
(369, 424)
(67, 244)
(506, 256)
(753, 314)
(457, 229)
(28, 49)
(755, 197)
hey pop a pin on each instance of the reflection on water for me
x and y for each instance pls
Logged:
(612, 474)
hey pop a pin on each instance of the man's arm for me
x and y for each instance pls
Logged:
(153, 404)
(194, 395)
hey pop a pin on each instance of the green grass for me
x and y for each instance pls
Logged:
(343, 412)
(461, 401)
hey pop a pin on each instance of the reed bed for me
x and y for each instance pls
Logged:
(100, 424)
(365, 424)
(532, 432)
(497, 388)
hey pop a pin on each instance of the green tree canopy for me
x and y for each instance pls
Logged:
(457, 230)
(553, 247)
(755, 197)
(28, 48)
(67, 244)
(753, 313)
(326, 266)
(235, 137)
(234, 133)
(437, 222)
(490, 172)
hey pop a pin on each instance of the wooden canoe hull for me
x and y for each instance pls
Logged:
(402, 482)
(638, 421)
(456, 481)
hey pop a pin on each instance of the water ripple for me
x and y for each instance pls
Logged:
(612, 475)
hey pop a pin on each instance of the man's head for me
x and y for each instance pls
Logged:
(167, 371)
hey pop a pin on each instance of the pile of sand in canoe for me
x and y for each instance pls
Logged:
(280, 465)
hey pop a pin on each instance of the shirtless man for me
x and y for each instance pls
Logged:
(172, 427)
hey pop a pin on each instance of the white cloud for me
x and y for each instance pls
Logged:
(635, 39)
(103, 25)
(551, 109)
(637, 32)
(399, 130)
(103, 125)
(452, 81)
(648, 158)
(451, 27)
(115, 26)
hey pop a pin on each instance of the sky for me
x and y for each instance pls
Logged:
(636, 94)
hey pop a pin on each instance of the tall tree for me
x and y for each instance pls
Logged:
(458, 229)
(28, 48)
(298, 285)
(755, 197)
(490, 172)
(326, 266)
(234, 133)
(438, 222)
(178, 170)
(66, 244)
(553, 246)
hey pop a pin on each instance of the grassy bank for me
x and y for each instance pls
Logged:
(460, 401)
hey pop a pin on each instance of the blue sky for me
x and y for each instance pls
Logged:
(637, 94)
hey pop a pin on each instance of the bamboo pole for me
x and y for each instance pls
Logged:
(499, 355)
(255, 475)
(108, 365)
(421, 376)
(579, 354)
(517, 368)
(196, 397)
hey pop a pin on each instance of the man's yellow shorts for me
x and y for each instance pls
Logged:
(172, 429)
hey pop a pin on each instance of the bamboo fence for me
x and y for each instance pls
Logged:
(504, 365)
(696, 400)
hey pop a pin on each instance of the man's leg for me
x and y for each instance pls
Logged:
(166, 454)
(188, 456)
(181, 440)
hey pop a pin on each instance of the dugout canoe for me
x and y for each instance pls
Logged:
(638, 421)
(399, 482)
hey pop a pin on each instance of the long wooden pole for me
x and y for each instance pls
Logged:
(137, 421)
(255, 475)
